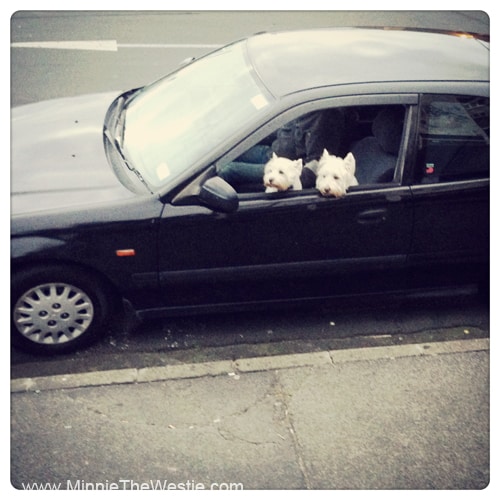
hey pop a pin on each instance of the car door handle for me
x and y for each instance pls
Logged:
(372, 216)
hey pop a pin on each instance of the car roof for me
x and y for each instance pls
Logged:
(292, 61)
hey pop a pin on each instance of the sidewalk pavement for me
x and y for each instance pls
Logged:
(399, 417)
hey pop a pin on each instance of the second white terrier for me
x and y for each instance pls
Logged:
(281, 174)
(335, 175)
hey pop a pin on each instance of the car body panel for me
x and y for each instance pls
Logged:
(269, 242)
(58, 154)
(451, 222)
(89, 237)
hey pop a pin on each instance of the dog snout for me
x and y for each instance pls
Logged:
(330, 191)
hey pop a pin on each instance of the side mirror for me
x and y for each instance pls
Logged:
(218, 195)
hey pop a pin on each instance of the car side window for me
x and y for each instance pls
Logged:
(366, 138)
(453, 138)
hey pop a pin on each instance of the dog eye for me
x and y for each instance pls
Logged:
(280, 172)
(336, 177)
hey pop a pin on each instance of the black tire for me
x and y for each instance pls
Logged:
(56, 309)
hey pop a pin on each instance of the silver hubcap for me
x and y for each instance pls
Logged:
(53, 313)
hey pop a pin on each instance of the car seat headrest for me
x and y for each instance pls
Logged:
(388, 128)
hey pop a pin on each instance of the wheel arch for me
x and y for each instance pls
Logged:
(104, 305)
(106, 285)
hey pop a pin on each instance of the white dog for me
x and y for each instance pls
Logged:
(335, 175)
(281, 174)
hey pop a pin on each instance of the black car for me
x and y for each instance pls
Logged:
(127, 204)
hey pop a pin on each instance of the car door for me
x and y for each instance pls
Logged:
(285, 246)
(451, 191)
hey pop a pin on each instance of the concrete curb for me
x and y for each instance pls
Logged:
(244, 365)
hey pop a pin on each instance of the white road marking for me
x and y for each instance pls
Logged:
(108, 45)
(169, 45)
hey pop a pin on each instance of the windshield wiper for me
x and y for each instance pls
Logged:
(114, 134)
(118, 148)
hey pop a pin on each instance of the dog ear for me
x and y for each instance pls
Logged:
(297, 164)
(350, 163)
(275, 156)
(325, 154)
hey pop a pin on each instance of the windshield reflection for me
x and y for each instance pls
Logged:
(174, 122)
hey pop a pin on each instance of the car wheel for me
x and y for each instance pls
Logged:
(56, 309)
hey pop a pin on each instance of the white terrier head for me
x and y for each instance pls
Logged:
(281, 174)
(335, 175)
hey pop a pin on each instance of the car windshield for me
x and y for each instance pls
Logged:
(174, 123)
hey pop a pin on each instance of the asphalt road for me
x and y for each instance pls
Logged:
(56, 54)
